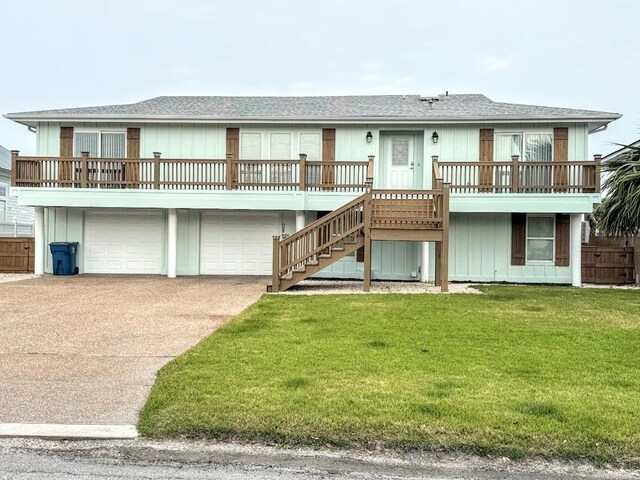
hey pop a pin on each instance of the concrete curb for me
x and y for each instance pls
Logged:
(63, 431)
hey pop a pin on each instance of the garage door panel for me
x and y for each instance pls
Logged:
(237, 243)
(123, 242)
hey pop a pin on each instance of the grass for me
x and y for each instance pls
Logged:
(520, 371)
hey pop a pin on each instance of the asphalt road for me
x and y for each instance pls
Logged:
(146, 460)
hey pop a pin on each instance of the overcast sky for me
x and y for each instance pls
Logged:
(569, 53)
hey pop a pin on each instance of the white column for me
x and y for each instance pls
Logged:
(575, 259)
(38, 230)
(172, 243)
(424, 267)
(301, 219)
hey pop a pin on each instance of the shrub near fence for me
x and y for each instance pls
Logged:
(16, 255)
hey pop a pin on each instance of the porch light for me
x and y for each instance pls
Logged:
(435, 137)
(369, 137)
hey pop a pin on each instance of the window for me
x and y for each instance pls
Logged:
(100, 144)
(530, 147)
(3, 190)
(311, 145)
(540, 238)
(280, 149)
(250, 149)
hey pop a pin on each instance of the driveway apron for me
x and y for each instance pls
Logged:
(85, 349)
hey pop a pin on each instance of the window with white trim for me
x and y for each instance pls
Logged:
(3, 190)
(530, 147)
(541, 233)
(100, 144)
(250, 149)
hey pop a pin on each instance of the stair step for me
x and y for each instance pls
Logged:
(300, 270)
(312, 263)
(324, 255)
(288, 276)
(337, 249)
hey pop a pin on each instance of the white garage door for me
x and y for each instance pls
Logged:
(237, 243)
(123, 242)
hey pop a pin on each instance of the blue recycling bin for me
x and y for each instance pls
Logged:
(64, 257)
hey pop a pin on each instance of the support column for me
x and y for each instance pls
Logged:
(575, 259)
(424, 265)
(301, 220)
(40, 247)
(172, 243)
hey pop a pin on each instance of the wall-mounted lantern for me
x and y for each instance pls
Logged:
(435, 137)
(369, 137)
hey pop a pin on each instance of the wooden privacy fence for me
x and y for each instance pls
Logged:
(608, 265)
(16, 255)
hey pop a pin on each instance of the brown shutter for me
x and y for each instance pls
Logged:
(486, 155)
(560, 154)
(132, 169)
(328, 154)
(563, 228)
(518, 238)
(66, 150)
(233, 143)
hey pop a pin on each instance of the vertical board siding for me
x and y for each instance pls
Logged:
(488, 237)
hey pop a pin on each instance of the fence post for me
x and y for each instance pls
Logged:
(84, 180)
(14, 163)
(515, 174)
(370, 170)
(156, 170)
(597, 158)
(275, 275)
(303, 172)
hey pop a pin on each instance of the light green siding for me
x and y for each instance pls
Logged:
(480, 251)
(64, 225)
(188, 242)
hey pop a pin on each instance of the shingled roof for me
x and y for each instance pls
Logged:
(330, 108)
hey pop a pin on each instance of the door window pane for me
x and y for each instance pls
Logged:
(399, 151)
(507, 145)
(112, 145)
(86, 142)
(538, 147)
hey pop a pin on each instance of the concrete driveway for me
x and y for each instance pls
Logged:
(85, 349)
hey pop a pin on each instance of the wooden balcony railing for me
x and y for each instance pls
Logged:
(190, 174)
(519, 176)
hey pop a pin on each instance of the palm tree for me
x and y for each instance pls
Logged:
(619, 213)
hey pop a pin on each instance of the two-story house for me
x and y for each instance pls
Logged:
(463, 188)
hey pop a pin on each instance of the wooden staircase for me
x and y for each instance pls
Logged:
(318, 245)
(414, 215)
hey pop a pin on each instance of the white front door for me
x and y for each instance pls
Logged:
(400, 160)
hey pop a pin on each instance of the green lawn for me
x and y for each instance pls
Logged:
(520, 371)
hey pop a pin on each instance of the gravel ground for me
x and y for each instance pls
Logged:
(327, 287)
(16, 277)
(617, 287)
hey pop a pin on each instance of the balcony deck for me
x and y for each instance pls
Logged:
(300, 175)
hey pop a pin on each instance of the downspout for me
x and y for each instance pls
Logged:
(32, 129)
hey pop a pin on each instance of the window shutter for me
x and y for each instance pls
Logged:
(486, 155)
(518, 238)
(560, 154)
(563, 228)
(233, 143)
(328, 144)
(66, 150)
(132, 170)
